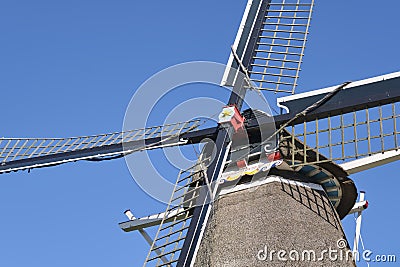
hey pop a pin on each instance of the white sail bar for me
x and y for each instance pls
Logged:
(370, 162)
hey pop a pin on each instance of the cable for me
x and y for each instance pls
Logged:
(362, 244)
(303, 113)
(123, 154)
(247, 78)
(361, 239)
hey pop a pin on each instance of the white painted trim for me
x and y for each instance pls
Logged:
(160, 215)
(270, 179)
(147, 237)
(261, 166)
(373, 161)
(284, 99)
(282, 106)
(237, 40)
(210, 207)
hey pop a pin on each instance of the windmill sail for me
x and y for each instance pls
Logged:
(270, 30)
(274, 52)
(355, 127)
(360, 121)
(172, 231)
(28, 153)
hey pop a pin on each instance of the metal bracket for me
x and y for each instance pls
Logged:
(359, 208)
(146, 236)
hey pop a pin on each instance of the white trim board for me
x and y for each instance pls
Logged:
(370, 162)
(270, 179)
(239, 36)
(389, 76)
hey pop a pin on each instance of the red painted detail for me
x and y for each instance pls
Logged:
(274, 156)
(241, 163)
(237, 120)
(366, 205)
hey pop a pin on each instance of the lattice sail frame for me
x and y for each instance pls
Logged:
(275, 31)
(359, 121)
(280, 49)
(348, 136)
(171, 234)
(13, 149)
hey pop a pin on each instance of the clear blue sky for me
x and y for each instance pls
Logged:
(69, 68)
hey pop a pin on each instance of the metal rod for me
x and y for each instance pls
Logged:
(358, 225)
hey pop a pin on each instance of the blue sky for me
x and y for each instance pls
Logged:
(70, 68)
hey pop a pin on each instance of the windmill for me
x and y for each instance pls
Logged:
(45, 152)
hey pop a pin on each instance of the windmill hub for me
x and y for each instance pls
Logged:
(231, 115)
